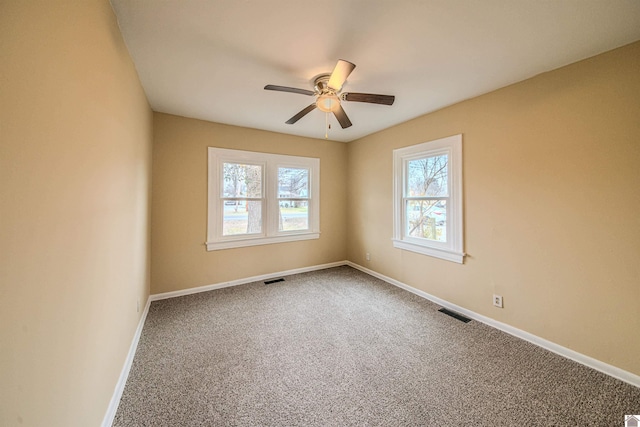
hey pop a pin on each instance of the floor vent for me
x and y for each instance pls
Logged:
(455, 315)
(268, 282)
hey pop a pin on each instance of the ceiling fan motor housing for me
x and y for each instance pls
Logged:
(327, 98)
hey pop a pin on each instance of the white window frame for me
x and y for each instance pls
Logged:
(270, 212)
(452, 249)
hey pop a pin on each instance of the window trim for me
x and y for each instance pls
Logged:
(270, 232)
(452, 250)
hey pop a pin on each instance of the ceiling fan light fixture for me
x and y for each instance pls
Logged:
(328, 103)
(328, 93)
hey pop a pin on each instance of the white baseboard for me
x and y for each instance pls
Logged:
(605, 368)
(246, 280)
(107, 421)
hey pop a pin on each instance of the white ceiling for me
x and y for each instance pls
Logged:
(210, 59)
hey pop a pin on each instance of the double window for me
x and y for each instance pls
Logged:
(259, 198)
(428, 198)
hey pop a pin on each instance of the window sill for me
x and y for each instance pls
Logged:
(457, 257)
(256, 241)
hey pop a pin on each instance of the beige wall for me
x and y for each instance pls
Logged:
(552, 206)
(551, 217)
(75, 141)
(179, 208)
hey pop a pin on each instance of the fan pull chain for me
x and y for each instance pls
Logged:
(327, 126)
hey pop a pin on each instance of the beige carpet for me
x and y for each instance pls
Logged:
(340, 348)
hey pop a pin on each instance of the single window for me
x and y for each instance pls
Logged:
(260, 198)
(428, 198)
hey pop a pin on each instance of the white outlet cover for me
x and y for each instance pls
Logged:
(497, 300)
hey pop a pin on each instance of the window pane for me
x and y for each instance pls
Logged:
(294, 215)
(240, 180)
(426, 219)
(293, 182)
(427, 177)
(241, 217)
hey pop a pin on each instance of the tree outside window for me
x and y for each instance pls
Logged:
(242, 191)
(426, 201)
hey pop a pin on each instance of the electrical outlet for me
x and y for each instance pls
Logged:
(368, 256)
(497, 300)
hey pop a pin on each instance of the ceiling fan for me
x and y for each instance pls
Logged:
(328, 93)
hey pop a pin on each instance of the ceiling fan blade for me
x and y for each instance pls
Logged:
(342, 117)
(289, 89)
(340, 74)
(301, 114)
(369, 97)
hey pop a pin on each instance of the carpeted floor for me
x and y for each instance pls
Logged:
(337, 347)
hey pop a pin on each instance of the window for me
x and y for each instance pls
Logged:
(293, 199)
(428, 198)
(259, 198)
